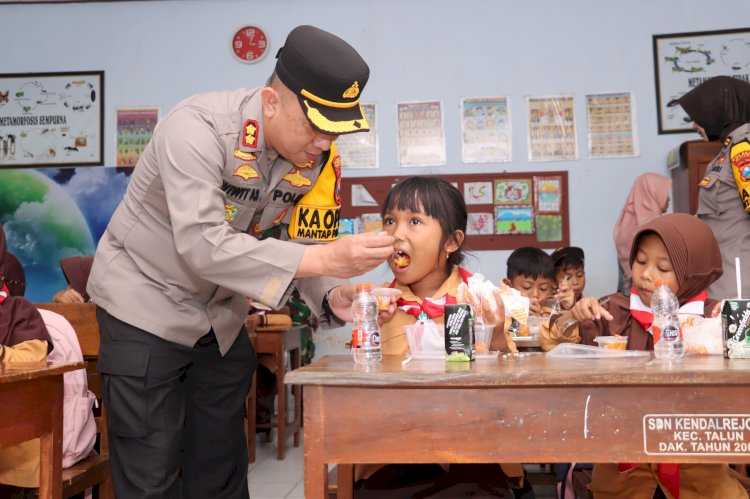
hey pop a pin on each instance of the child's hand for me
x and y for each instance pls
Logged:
(716, 310)
(588, 309)
(493, 308)
(385, 316)
(565, 295)
(68, 295)
(535, 306)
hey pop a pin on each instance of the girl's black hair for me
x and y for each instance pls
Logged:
(434, 197)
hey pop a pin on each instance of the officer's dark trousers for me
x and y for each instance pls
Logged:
(175, 414)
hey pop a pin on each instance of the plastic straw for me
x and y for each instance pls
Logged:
(738, 272)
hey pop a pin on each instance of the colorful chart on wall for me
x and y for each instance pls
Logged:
(486, 130)
(421, 140)
(360, 150)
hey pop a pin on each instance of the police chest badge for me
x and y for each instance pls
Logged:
(245, 172)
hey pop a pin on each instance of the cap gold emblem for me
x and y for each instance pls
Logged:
(352, 92)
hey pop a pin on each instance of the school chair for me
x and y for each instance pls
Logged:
(94, 471)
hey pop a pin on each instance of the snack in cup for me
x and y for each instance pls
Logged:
(615, 342)
(383, 295)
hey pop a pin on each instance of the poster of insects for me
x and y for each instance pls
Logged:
(51, 119)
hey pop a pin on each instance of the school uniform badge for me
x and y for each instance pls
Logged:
(244, 156)
(297, 179)
(705, 181)
(245, 172)
(250, 134)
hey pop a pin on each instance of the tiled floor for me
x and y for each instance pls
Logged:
(270, 478)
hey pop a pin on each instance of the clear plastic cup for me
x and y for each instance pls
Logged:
(383, 295)
(483, 337)
(414, 334)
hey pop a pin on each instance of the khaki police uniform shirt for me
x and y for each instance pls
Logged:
(181, 253)
(722, 201)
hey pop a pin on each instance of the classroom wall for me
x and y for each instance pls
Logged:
(156, 53)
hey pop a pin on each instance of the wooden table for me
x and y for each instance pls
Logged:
(31, 406)
(527, 408)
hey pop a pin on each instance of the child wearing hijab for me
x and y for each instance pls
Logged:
(76, 270)
(23, 338)
(681, 250)
(720, 109)
(648, 198)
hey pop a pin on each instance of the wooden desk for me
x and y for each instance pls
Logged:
(520, 409)
(31, 406)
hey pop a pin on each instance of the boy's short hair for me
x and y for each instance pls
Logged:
(530, 261)
(568, 257)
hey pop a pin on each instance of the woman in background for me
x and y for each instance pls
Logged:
(648, 198)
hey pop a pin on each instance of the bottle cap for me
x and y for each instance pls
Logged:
(363, 287)
(660, 282)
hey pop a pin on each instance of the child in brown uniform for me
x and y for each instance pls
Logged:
(681, 250)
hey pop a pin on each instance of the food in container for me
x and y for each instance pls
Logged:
(383, 295)
(612, 342)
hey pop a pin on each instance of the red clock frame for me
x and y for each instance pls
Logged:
(249, 44)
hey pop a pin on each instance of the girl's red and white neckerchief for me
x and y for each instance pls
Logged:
(642, 312)
(430, 307)
(4, 292)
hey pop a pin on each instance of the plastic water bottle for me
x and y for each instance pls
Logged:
(366, 332)
(664, 306)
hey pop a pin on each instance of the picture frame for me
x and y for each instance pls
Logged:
(52, 119)
(682, 61)
(134, 127)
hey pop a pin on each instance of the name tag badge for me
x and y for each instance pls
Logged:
(315, 222)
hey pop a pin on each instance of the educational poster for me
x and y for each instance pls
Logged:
(54, 213)
(479, 223)
(478, 192)
(51, 119)
(513, 191)
(548, 228)
(547, 191)
(551, 130)
(134, 126)
(612, 124)
(486, 130)
(685, 60)
(514, 220)
(421, 140)
(360, 150)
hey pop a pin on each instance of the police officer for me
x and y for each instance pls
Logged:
(720, 109)
(227, 183)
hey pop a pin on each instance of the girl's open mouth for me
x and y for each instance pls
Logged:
(401, 259)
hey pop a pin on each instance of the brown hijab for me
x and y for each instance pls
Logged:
(76, 270)
(19, 319)
(719, 104)
(692, 248)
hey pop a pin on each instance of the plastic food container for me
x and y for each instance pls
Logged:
(612, 342)
(383, 295)
(483, 337)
